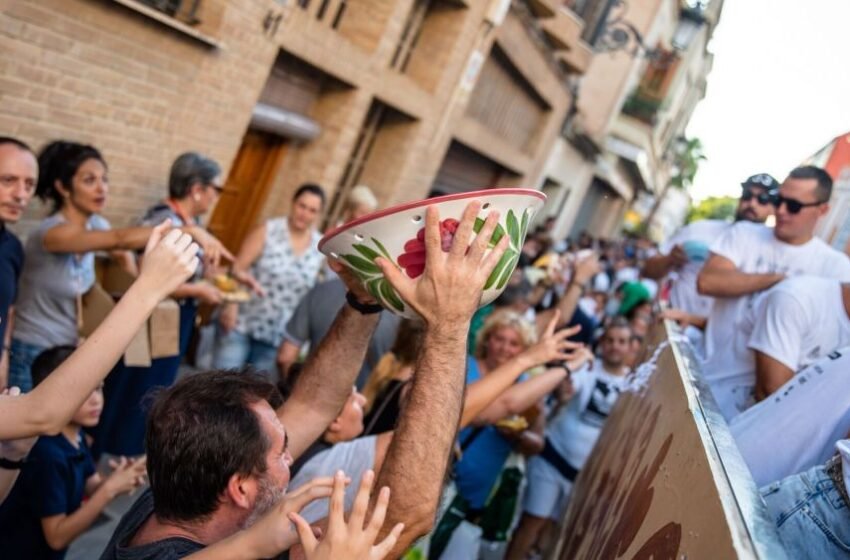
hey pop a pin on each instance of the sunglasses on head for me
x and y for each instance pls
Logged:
(762, 197)
(793, 206)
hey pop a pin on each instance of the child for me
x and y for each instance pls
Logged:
(43, 514)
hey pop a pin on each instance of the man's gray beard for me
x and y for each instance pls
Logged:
(268, 497)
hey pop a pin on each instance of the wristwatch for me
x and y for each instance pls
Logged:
(11, 465)
(362, 308)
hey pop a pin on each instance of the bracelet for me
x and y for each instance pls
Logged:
(362, 308)
(11, 465)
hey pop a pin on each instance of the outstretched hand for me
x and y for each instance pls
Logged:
(553, 345)
(170, 259)
(449, 290)
(354, 540)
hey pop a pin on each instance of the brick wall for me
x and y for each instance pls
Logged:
(95, 71)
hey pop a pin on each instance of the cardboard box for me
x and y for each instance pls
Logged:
(158, 338)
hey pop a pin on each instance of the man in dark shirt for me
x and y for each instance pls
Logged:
(18, 177)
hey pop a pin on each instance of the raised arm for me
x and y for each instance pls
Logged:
(659, 266)
(445, 297)
(325, 383)
(49, 407)
(585, 269)
(720, 277)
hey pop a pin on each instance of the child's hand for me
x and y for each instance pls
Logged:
(274, 533)
(127, 475)
(355, 539)
(170, 259)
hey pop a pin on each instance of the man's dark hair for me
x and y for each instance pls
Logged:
(60, 161)
(200, 432)
(823, 191)
(15, 142)
(618, 322)
(48, 361)
(311, 189)
(190, 169)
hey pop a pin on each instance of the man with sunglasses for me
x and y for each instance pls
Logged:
(686, 252)
(748, 259)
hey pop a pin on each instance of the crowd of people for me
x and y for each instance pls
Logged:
(470, 424)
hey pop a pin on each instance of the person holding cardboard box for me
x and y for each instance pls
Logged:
(59, 268)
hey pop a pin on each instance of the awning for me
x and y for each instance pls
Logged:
(281, 122)
(635, 158)
(609, 174)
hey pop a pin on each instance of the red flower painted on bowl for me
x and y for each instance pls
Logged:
(413, 258)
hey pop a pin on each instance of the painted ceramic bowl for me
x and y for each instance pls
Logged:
(398, 234)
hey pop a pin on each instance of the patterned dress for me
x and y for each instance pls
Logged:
(286, 278)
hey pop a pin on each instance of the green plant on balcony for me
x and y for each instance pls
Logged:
(642, 108)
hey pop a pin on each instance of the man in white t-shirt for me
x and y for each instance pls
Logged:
(570, 437)
(797, 322)
(811, 509)
(683, 255)
(750, 258)
(794, 429)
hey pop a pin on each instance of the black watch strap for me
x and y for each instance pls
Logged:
(11, 465)
(362, 308)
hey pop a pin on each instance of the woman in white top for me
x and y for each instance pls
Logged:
(283, 256)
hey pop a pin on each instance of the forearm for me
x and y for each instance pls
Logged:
(523, 395)
(187, 290)
(482, 393)
(568, 303)
(732, 283)
(61, 532)
(417, 459)
(52, 403)
(770, 375)
(657, 267)
(327, 378)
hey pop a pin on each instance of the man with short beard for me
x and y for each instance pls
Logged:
(686, 252)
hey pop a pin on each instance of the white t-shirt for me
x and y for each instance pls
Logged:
(753, 249)
(801, 320)
(795, 428)
(574, 431)
(353, 457)
(695, 239)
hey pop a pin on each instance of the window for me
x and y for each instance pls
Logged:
(187, 11)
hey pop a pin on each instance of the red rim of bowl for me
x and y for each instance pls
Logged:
(420, 203)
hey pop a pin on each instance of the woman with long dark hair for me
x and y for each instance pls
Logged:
(59, 268)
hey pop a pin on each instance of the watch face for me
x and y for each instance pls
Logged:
(697, 251)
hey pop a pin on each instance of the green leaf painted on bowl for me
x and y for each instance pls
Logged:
(367, 252)
(498, 232)
(382, 249)
(513, 229)
(374, 288)
(361, 264)
(524, 228)
(390, 296)
(500, 267)
(509, 269)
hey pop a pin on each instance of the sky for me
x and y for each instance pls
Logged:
(778, 92)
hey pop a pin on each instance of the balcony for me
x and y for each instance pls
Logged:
(642, 108)
(563, 29)
(577, 59)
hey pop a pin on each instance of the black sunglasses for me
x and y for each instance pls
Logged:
(762, 197)
(793, 206)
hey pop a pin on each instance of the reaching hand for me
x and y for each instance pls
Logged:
(170, 259)
(354, 540)
(553, 346)
(127, 475)
(677, 257)
(449, 290)
(207, 293)
(580, 358)
(352, 283)
(15, 449)
(274, 532)
(247, 279)
(586, 269)
(214, 250)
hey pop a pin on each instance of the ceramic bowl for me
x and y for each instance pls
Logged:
(398, 234)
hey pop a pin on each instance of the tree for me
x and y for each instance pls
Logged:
(687, 155)
(713, 208)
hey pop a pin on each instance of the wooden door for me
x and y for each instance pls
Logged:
(247, 187)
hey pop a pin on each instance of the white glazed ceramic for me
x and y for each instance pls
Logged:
(392, 234)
